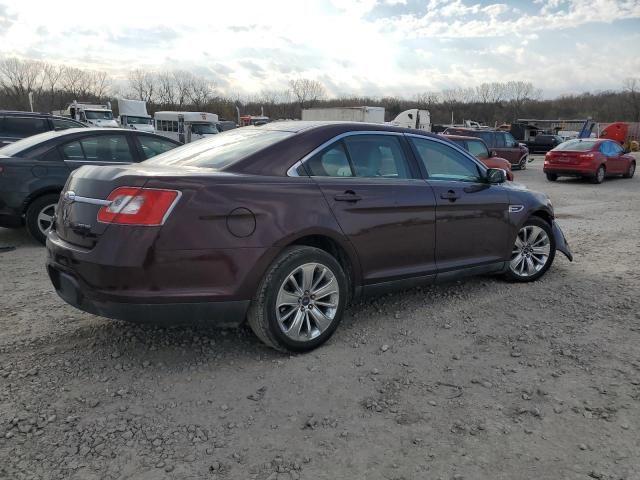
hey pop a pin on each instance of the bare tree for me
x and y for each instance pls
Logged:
(52, 77)
(518, 93)
(632, 87)
(20, 77)
(166, 90)
(143, 84)
(100, 84)
(200, 91)
(183, 83)
(307, 91)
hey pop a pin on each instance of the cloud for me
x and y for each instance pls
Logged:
(6, 19)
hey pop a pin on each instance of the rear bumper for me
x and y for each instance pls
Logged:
(220, 314)
(212, 287)
(569, 170)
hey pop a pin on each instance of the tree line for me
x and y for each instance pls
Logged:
(54, 86)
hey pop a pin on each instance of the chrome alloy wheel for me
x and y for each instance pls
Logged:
(45, 218)
(531, 251)
(307, 302)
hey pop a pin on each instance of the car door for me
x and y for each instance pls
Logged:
(386, 212)
(99, 149)
(507, 147)
(472, 216)
(616, 159)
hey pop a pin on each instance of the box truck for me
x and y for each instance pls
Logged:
(133, 115)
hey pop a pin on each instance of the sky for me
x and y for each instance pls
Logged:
(354, 47)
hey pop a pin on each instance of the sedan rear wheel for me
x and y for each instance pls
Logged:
(533, 251)
(552, 177)
(300, 301)
(599, 176)
(631, 170)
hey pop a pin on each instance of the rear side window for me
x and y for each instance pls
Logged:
(154, 146)
(488, 138)
(331, 162)
(20, 127)
(107, 148)
(222, 150)
(59, 124)
(103, 148)
(52, 155)
(375, 156)
(477, 148)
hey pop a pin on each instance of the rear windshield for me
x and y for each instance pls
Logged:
(21, 145)
(222, 150)
(576, 145)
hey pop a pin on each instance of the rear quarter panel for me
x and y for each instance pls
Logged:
(245, 212)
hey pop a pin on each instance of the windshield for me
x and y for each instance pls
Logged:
(138, 120)
(576, 145)
(203, 128)
(98, 115)
(221, 150)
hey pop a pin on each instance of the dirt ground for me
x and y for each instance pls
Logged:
(479, 379)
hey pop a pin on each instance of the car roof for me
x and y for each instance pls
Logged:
(299, 126)
(461, 137)
(35, 141)
(19, 113)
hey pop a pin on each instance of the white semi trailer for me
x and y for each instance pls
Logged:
(345, 114)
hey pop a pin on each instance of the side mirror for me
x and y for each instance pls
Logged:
(493, 153)
(496, 175)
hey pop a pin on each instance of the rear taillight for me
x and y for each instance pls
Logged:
(138, 206)
(586, 156)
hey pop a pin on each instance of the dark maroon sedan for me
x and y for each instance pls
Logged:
(283, 224)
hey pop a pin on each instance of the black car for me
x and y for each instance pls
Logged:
(542, 143)
(15, 126)
(34, 171)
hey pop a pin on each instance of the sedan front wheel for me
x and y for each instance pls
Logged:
(533, 251)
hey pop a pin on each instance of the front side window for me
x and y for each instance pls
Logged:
(615, 149)
(510, 142)
(443, 162)
(477, 149)
(500, 140)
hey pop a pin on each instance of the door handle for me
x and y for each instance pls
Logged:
(348, 196)
(450, 195)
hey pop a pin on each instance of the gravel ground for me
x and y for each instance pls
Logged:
(473, 380)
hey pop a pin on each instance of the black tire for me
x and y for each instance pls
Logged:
(512, 276)
(262, 311)
(552, 177)
(33, 211)
(631, 171)
(523, 163)
(599, 176)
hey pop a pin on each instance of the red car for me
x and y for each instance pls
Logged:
(477, 148)
(593, 158)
